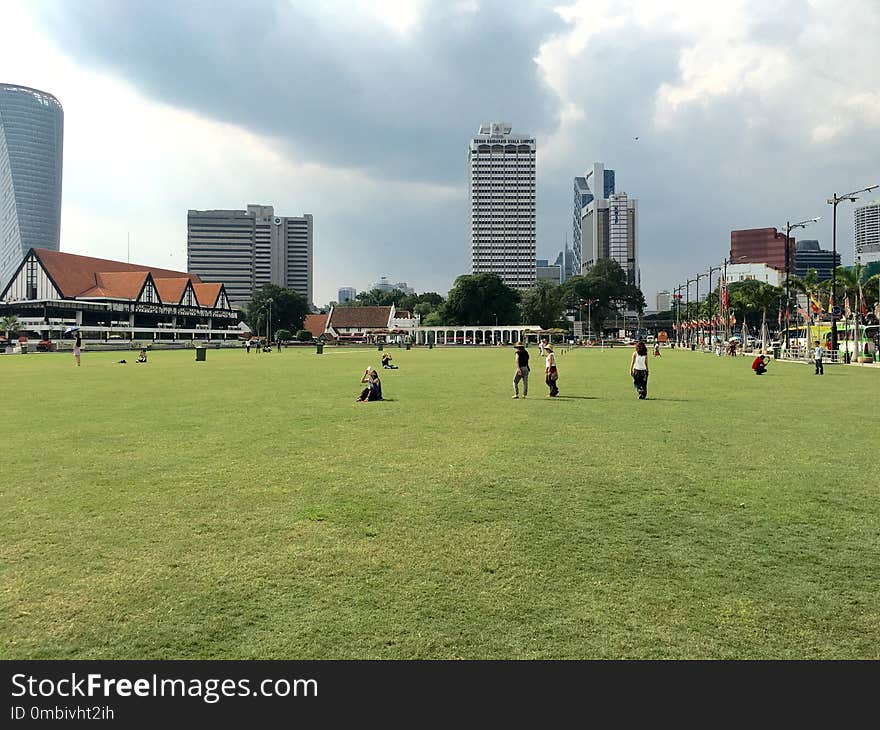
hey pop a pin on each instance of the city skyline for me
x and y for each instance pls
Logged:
(715, 118)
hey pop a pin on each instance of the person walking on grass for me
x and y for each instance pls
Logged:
(638, 369)
(817, 356)
(521, 358)
(550, 371)
(77, 348)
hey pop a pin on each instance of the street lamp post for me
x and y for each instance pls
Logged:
(269, 320)
(833, 201)
(699, 276)
(677, 299)
(687, 308)
(717, 307)
(789, 227)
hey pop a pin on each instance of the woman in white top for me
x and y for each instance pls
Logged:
(551, 372)
(638, 368)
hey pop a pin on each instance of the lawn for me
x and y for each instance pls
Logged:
(246, 507)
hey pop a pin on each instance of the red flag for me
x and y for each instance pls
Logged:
(779, 317)
(846, 308)
(863, 305)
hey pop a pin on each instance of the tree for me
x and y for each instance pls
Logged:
(433, 319)
(304, 336)
(282, 335)
(9, 325)
(379, 298)
(752, 296)
(289, 309)
(605, 284)
(542, 305)
(481, 299)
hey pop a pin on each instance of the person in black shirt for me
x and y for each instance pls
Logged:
(521, 357)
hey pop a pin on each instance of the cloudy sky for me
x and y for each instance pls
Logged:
(748, 114)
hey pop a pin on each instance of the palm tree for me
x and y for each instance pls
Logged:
(761, 297)
(9, 324)
(808, 285)
(850, 277)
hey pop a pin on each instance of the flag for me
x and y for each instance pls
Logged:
(732, 319)
(787, 315)
(779, 317)
(815, 305)
(831, 303)
(846, 308)
(863, 305)
(803, 313)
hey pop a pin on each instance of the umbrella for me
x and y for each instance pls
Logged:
(70, 329)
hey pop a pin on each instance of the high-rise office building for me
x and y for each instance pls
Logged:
(810, 256)
(609, 225)
(31, 150)
(501, 186)
(597, 178)
(867, 233)
(545, 271)
(664, 301)
(248, 249)
(346, 294)
(762, 246)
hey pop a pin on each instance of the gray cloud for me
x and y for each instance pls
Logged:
(366, 97)
(771, 144)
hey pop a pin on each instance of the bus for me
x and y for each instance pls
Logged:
(857, 342)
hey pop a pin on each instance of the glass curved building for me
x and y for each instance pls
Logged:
(31, 148)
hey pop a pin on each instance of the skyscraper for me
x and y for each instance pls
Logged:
(867, 233)
(597, 178)
(247, 249)
(609, 224)
(346, 294)
(31, 148)
(811, 256)
(664, 301)
(501, 186)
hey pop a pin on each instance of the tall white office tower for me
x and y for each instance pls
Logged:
(31, 150)
(610, 226)
(501, 186)
(867, 233)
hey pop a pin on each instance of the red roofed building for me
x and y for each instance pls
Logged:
(368, 323)
(316, 324)
(51, 291)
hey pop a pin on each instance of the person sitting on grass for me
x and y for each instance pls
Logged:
(373, 391)
(142, 357)
(386, 362)
(759, 365)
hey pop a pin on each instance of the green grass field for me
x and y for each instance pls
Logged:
(246, 507)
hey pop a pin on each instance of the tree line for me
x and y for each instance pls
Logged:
(484, 299)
